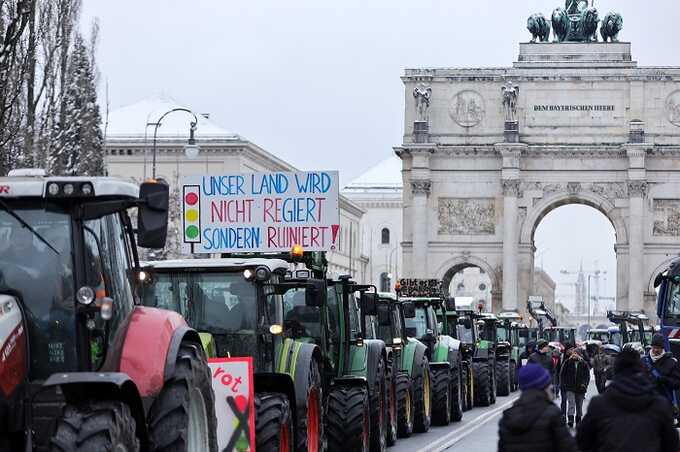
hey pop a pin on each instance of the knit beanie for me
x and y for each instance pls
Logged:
(533, 376)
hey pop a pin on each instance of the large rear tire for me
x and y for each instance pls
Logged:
(441, 396)
(513, 375)
(347, 419)
(482, 383)
(391, 382)
(492, 377)
(405, 411)
(309, 427)
(95, 426)
(182, 418)
(273, 423)
(503, 381)
(422, 397)
(378, 405)
(457, 396)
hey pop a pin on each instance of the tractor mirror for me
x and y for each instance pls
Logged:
(411, 332)
(658, 280)
(152, 219)
(384, 318)
(314, 294)
(369, 303)
(409, 310)
(450, 304)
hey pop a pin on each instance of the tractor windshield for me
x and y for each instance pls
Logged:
(43, 277)
(503, 334)
(672, 305)
(419, 322)
(602, 336)
(523, 335)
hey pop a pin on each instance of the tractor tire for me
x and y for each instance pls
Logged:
(492, 376)
(482, 383)
(379, 415)
(513, 376)
(347, 419)
(392, 418)
(467, 388)
(309, 426)
(405, 411)
(273, 423)
(95, 426)
(503, 378)
(182, 418)
(422, 397)
(441, 396)
(457, 396)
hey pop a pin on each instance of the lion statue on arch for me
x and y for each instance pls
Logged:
(561, 25)
(539, 27)
(587, 25)
(612, 24)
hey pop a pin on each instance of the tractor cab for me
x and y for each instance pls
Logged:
(560, 334)
(598, 334)
(630, 328)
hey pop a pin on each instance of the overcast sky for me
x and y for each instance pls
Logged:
(316, 82)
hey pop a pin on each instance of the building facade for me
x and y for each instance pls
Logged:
(129, 153)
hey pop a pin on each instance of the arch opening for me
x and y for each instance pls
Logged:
(471, 282)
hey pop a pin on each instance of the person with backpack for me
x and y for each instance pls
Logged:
(663, 369)
(629, 416)
(533, 423)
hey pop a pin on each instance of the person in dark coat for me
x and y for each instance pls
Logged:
(533, 422)
(663, 369)
(542, 356)
(629, 416)
(524, 356)
(574, 379)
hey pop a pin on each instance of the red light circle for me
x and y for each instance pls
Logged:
(191, 198)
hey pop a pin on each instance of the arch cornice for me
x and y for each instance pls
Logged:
(550, 203)
(462, 261)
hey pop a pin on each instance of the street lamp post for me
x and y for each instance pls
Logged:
(589, 276)
(191, 150)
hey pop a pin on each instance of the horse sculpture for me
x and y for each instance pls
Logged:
(561, 25)
(539, 27)
(612, 24)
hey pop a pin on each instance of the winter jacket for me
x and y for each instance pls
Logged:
(665, 373)
(628, 417)
(534, 424)
(526, 354)
(575, 375)
(544, 359)
(601, 361)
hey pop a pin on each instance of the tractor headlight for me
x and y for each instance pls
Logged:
(248, 274)
(68, 189)
(53, 189)
(86, 189)
(85, 295)
(262, 273)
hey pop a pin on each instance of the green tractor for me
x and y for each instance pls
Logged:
(409, 368)
(318, 383)
(443, 351)
(450, 322)
(478, 343)
(508, 350)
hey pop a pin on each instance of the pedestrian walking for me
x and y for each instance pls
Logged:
(574, 380)
(524, 356)
(629, 416)
(663, 369)
(533, 422)
(601, 361)
(542, 356)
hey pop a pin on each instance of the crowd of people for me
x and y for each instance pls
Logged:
(636, 409)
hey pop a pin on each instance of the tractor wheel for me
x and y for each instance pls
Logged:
(467, 388)
(95, 426)
(273, 423)
(182, 418)
(482, 382)
(392, 420)
(494, 388)
(441, 396)
(422, 398)
(405, 411)
(513, 376)
(457, 396)
(378, 405)
(309, 427)
(503, 378)
(347, 419)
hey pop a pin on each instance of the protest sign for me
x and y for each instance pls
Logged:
(263, 212)
(232, 381)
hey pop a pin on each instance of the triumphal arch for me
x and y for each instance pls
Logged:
(488, 152)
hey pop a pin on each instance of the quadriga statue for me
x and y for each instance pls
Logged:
(539, 27)
(587, 26)
(612, 24)
(561, 25)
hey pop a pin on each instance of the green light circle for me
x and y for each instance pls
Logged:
(191, 232)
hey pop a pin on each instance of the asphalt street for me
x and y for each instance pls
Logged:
(478, 432)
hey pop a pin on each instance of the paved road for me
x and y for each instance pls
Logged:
(477, 433)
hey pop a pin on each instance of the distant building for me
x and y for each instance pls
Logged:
(129, 144)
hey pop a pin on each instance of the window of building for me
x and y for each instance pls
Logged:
(385, 236)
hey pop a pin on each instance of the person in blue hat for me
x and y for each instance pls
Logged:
(534, 422)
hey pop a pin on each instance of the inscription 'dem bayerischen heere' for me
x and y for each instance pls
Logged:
(574, 108)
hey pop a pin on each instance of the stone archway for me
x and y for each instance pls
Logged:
(459, 263)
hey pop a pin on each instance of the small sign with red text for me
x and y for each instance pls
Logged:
(232, 381)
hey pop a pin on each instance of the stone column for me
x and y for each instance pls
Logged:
(510, 245)
(637, 191)
(420, 190)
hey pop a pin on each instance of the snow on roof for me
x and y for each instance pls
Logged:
(131, 121)
(386, 174)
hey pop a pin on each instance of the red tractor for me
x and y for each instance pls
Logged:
(83, 366)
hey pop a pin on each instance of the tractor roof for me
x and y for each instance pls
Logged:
(223, 263)
(598, 330)
(509, 315)
(33, 183)
(387, 296)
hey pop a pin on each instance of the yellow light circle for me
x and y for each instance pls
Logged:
(192, 215)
